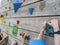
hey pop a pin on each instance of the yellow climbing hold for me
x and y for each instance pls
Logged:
(2, 20)
(3, 14)
(6, 29)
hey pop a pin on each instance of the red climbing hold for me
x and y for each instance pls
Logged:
(24, 0)
(18, 21)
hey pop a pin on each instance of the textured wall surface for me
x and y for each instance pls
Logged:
(29, 25)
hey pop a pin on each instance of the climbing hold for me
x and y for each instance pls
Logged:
(2, 19)
(28, 37)
(22, 34)
(17, 4)
(42, 4)
(6, 14)
(25, 35)
(5, 7)
(9, 8)
(18, 21)
(24, 0)
(31, 10)
(6, 29)
(3, 14)
(49, 29)
(15, 30)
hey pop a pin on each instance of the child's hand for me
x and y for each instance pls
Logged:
(42, 30)
(54, 23)
(14, 43)
(43, 26)
(24, 38)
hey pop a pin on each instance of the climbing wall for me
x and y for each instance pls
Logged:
(29, 23)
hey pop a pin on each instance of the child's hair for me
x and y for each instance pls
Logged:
(0, 37)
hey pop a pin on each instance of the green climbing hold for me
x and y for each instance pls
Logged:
(15, 30)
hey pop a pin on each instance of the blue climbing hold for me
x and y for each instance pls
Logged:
(49, 29)
(6, 14)
(17, 4)
(31, 10)
(28, 37)
(37, 42)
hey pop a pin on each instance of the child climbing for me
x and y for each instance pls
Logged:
(54, 24)
(39, 39)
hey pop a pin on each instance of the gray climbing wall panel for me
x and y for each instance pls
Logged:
(30, 25)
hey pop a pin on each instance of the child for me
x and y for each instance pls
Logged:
(38, 40)
(54, 24)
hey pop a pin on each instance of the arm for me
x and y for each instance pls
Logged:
(54, 23)
(56, 37)
(3, 38)
(39, 40)
(24, 39)
(22, 42)
(14, 43)
(40, 36)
